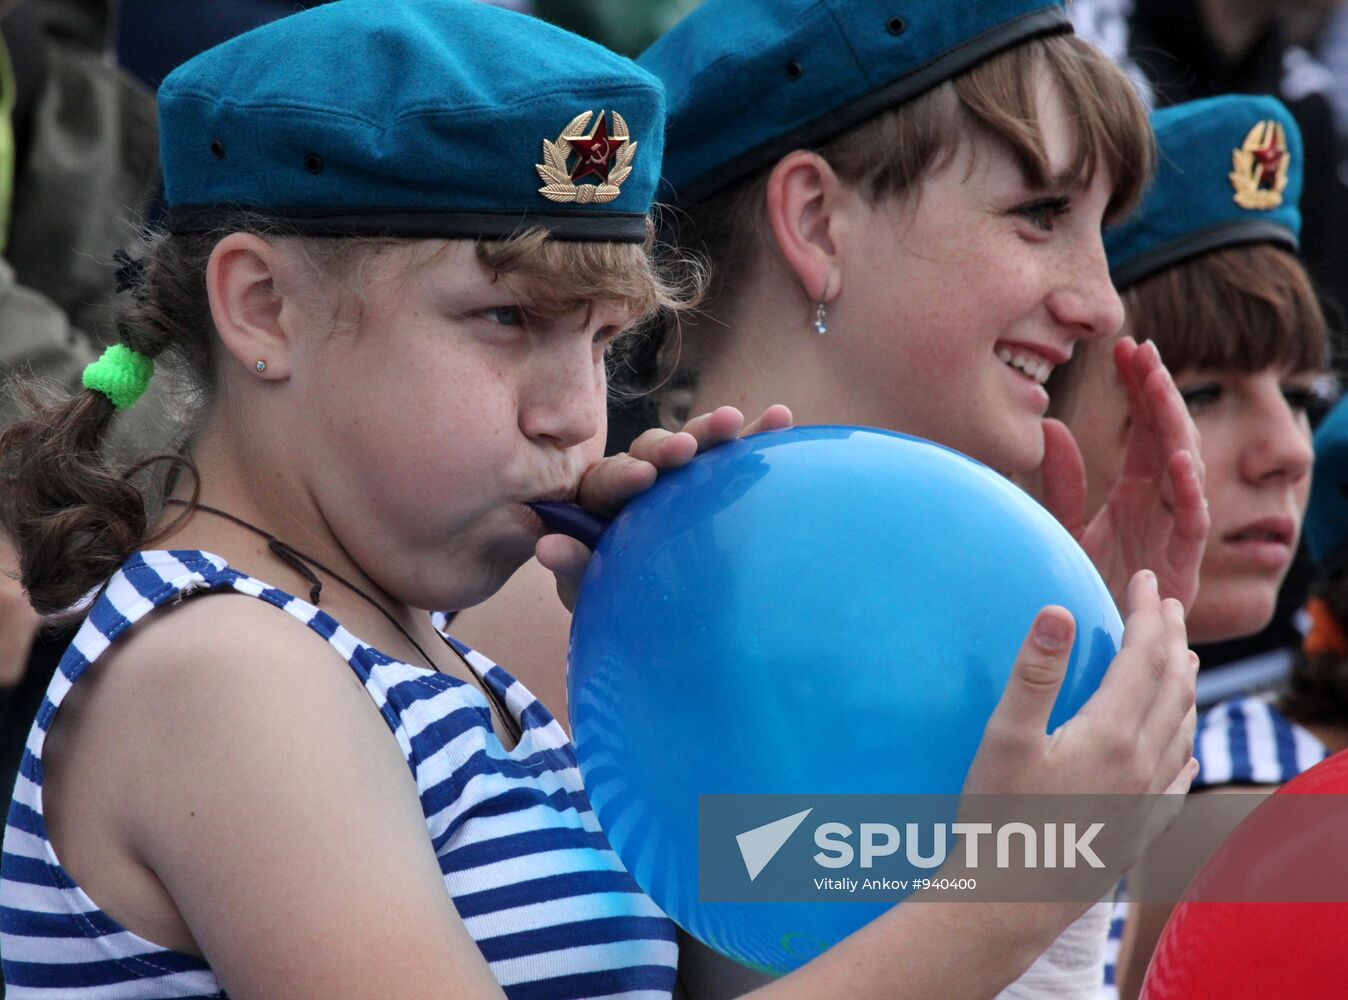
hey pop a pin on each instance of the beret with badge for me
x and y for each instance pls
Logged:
(750, 80)
(421, 118)
(1228, 173)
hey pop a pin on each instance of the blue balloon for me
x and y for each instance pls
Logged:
(818, 610)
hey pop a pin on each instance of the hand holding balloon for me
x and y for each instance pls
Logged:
(610, 483)
(1133, 739)
(1133, 736)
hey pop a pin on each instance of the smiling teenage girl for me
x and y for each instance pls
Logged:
(906, 233)
(932, 189)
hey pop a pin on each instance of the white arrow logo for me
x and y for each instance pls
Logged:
(761, 844)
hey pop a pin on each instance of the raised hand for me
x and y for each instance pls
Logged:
(1155, 516)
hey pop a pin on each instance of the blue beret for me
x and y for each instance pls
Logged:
(750, 80)
(1327, 515)
(435, 118)
(1228, 173)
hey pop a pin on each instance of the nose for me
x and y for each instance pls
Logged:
(562, 402)
(1085, 299)
(1277, 439)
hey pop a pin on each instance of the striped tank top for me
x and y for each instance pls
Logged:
(532, 876)
(1244, 741)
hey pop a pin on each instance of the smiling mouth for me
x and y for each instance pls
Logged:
(1032, 366)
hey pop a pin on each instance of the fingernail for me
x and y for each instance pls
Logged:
(1050, 633)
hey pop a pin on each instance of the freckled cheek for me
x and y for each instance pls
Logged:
(947, 359)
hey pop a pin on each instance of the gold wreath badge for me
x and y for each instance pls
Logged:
(599, 154)
(1259, 167)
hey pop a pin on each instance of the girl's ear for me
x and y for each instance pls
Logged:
(247, 304)
(804, 201)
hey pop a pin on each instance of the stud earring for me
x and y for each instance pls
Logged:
(261, 366)
(820, 320)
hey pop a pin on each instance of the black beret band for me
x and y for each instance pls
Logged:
(578, 226)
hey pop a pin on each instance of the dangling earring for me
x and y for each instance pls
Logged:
(261, 366)
(820, 320)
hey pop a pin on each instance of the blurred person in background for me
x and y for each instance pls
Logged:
(1251, 745)
(1184, 50)
(626, 26)
(154, 37)
(1208, 272)
(1331, 45)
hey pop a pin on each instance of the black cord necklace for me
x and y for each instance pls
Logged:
(301, 564)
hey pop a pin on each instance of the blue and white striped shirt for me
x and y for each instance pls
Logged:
(531, 874)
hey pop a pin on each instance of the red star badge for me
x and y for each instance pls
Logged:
(1269, 157)
(595, 152)
(1260, 168)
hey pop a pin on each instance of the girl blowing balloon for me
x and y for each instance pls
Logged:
(259, 769)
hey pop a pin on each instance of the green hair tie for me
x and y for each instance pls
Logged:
(121, 374)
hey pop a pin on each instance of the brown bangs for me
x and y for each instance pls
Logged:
(1109, 121)
(1242, 308)
(999, 97)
